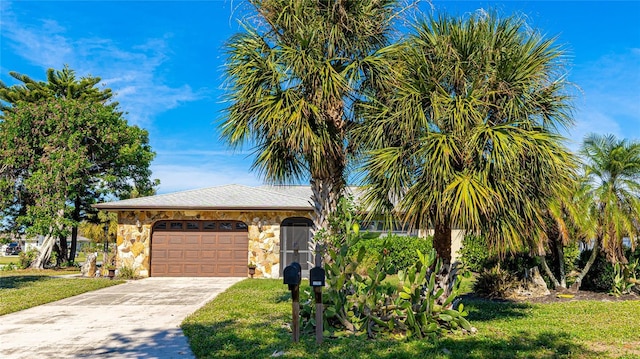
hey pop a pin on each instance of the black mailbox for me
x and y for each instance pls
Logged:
(316, 277)
(292, 274)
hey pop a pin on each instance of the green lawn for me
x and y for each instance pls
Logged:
(250, 321)
(9, 259)
(22, 289)
(80, 258)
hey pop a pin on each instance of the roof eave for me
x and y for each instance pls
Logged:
(196, 208)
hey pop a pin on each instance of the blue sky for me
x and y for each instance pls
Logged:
(164, 59)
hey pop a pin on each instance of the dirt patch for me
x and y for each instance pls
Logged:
(561, 297)
(564, 296)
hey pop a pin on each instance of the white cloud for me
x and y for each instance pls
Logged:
(591, 120)
(132, 73)
(610, 103)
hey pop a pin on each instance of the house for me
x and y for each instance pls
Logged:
(217, 231)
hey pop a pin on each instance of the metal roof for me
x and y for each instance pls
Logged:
(227, 197)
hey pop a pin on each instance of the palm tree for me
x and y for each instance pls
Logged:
(570, 219)
(470, 140)
(294, 81)
(612, 182)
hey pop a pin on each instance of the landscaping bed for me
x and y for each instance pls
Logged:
(252, 319)
(564, 296)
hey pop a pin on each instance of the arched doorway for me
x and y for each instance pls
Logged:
(295, 237)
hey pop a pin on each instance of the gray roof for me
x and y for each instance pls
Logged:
(227, 197)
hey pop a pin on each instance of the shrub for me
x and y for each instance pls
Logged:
(354, 304)
(401, 251)
(474, 253)
(601, 275)
(9, 267)
(27, 257)
(494, 283)
(127, 272)
(571, 256)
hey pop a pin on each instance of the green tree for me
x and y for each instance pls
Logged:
(60, 84)
(569, 220)
(61, 150)
(612, 182)
(295, 79)
(469, 139)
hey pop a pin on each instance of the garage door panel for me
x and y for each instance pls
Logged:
(209, 269)
(225, 240)
(160, 254)
(191, 269)
(174, 268)
(208, 254)
(192, 240)
(190, 254)
(159, 240)
(208, 240)
(239, 270)
(223, 269)
(199, 253)
(239, 255)
(159, 269)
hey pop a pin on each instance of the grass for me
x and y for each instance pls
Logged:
(23, 289)
(80, 258)
(251, 319)
(9, 259)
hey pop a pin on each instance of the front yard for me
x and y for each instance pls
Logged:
(23, 289)
(250, 320)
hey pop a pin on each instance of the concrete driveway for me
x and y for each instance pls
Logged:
(138, 319)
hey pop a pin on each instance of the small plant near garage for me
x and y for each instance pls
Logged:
(127, 272)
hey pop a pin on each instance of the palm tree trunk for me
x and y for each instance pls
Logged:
(587, 266)
(560, 253)
(442, 242)
(545, 266)
(325, 196)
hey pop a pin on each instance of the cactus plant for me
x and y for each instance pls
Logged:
(355, 303)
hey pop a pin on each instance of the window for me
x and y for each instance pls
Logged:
(160, 225)
(195, 226)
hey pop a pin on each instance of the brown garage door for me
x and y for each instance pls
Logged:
(199, 249)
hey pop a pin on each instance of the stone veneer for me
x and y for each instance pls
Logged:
(264, 236)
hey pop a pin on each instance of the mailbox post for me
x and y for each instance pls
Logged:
(292, 275)
(316, 278)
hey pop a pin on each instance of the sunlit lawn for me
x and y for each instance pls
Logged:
(250, 321)
(22, 289)
(80, 258)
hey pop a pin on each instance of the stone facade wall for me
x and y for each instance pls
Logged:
(134, 242)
